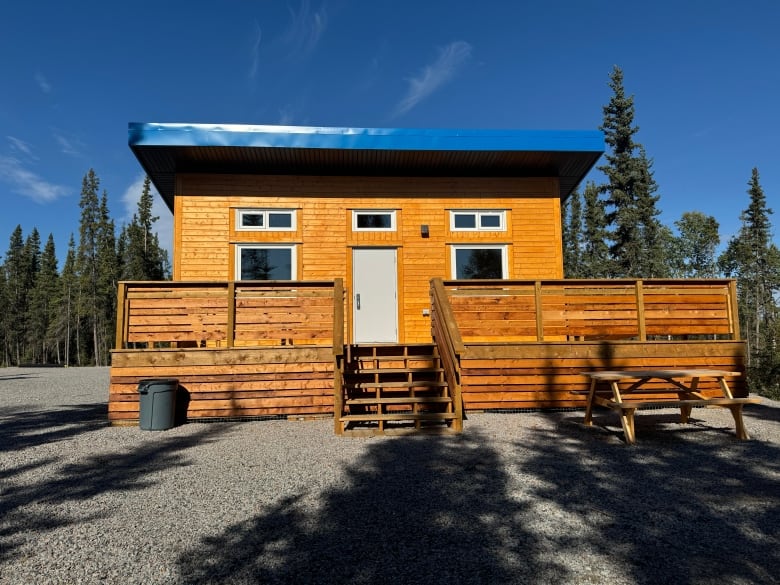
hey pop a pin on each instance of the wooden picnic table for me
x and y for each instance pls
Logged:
(682, 384)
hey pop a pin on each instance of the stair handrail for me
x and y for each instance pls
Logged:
(338, 354)
(446, 336)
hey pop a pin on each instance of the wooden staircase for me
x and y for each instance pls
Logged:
(395, 389)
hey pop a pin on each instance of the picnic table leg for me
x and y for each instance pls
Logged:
(589, 408)
(685, 413)
(736, 412)
(627, 420)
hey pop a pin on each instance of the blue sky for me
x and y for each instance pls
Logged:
(704, 74)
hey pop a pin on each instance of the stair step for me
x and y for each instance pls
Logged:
(421, 416)
(412, 384)
(395, 371)
(400, 400)
(392, 358)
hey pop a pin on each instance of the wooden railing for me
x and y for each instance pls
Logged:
(230, 314)
(446, 336)
(586, 310)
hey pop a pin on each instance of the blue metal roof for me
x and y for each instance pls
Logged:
(165, 149)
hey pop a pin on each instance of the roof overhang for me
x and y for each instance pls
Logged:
(167, 149)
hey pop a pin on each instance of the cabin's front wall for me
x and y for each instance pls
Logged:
(206, 238)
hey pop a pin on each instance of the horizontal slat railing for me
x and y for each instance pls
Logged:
(228, 314)
(446, 336)
(586, 310)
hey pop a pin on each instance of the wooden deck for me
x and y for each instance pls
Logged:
(254, 349)
(523, 344)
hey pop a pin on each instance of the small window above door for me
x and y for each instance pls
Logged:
(372, 220)
(280, 220)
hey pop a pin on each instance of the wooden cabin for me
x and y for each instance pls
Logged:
(386, 276)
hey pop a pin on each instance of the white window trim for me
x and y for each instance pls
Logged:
(504, 256)
(293, 256)
(478, 213)
(265, 213)
(358, 212)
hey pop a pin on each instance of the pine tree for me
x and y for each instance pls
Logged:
(634, 231)
(141, 254)
(108, 274)
(64, 327)
(572, 235)
(43, 305)
(16, 297)
(595, 261)
(754, 260)
(88, 269)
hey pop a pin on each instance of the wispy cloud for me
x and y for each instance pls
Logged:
(163, 226)
(68, 146)
(306, 30)
(27, 183)
(254, 54)
(432, 77)
(42, 83)
(19, 145)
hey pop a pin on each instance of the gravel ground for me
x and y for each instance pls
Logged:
(517, 498)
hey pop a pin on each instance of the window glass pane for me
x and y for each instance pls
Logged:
(251, 220)
(266, 264)
(465, 221)
(478, 263)
(374, 221)
(490, 221)
(280, 220)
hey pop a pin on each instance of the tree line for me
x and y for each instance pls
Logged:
(67, 316)
(612, 230)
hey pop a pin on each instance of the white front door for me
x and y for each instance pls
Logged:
(374, 295)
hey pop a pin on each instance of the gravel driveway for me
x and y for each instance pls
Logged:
(517, 498)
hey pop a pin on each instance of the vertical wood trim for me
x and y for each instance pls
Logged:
(400, 286)
(640, 310)
(177, 231)
(338, 317)
(539, 315)
(736, 334)
(121, 317)
(230, 333)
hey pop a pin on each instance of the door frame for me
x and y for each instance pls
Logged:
(398, 291)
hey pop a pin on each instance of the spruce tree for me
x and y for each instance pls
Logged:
(16, 297)
(88, 269)
(595, 261)
(630, 202)
(141, 254)
(572, 235)
(43, 305)
(754, 260)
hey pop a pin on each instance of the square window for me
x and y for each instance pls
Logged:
(490, 221)
(483, 262)
(252, 220)
(265, 263)
(465, 221)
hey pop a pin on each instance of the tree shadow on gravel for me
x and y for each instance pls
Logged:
(412, 510)
(29, 508)
(683, 506)
(22, 428)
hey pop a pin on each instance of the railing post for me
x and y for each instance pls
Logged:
(121, 315)
(640, 310)
(736, 334)
(539, 312)
(338, 355)
(230, 333)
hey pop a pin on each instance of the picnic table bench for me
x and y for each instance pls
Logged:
(635, 395)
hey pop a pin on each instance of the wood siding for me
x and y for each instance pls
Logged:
(205, 234)
(227, 382)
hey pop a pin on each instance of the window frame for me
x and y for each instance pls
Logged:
(358, 212)
(478, 215)
(266, 213)
(504, 248)
(260, 245)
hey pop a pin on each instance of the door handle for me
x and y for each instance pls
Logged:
(357, 301)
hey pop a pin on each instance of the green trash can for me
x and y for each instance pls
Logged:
(158, 403)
